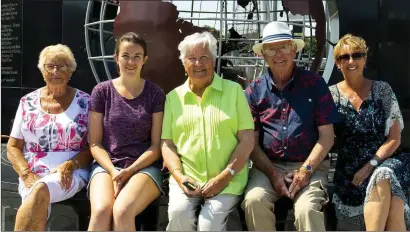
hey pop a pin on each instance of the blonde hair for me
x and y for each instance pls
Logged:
(357, 44)
(58, 50)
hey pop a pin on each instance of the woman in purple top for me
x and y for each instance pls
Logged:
(125, 129)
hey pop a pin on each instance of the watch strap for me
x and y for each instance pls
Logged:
(307, 169)
(231, 171)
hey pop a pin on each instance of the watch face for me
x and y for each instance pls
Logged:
(373, 162)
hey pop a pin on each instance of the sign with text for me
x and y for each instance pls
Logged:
(11, 42)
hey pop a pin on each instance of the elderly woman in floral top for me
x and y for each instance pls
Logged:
(372, 175)
(48, 142)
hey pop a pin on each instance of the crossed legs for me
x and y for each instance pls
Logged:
(384, 211)
(32, 214)
(36, 201)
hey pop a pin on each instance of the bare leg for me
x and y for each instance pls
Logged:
(32, 214)
(102, 201)
(377, 208)
(137, 194)
(395, 220)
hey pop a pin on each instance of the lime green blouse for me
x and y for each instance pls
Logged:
(205, 132)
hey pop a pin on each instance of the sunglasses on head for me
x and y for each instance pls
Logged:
(354, 56)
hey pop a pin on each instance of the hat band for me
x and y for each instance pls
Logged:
(276, 37)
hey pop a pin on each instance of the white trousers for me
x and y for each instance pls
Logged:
(183, 210)
(57, 193)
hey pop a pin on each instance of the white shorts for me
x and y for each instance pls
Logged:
(57, 193)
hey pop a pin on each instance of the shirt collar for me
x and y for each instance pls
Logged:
(216, 84)
(269, 76)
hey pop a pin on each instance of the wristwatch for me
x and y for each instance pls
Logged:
(307, 168)
(230, 170)
(374, 162)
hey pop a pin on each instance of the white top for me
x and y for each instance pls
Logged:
(51, 139)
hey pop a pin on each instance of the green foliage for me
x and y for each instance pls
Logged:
(310, 46)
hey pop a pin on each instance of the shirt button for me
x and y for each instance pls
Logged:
(284, 128)
(285, 147)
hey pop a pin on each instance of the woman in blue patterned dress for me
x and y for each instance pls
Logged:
(372, 176)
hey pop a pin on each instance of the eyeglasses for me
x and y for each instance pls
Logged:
(51, 67)
(354, 56)
(285, 49)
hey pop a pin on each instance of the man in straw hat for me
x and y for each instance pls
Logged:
(294, 114)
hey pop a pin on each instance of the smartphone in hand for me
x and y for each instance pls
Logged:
(189, 186)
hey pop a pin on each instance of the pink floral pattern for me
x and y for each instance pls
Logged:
(60, 135)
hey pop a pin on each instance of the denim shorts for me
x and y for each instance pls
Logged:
(151, 171)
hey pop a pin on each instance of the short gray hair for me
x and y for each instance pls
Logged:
(205, 38)
(58, 50)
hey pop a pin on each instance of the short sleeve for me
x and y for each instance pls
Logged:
(158, 101)
(98, 99)
(18, 121)
(249, 95)
(88, 116)
(325, 109)
(167, 121)
(245, 121)
(391, 107)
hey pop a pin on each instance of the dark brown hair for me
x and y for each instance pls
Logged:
(132, 38)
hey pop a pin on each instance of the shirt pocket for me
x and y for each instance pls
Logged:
(303, 113)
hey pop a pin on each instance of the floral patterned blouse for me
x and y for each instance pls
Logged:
(359, 135)
(51, 139)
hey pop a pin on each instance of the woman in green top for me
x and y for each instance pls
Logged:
(207, 137)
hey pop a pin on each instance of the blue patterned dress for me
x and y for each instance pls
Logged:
(358, 137)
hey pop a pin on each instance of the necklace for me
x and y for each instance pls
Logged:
(354, 97)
